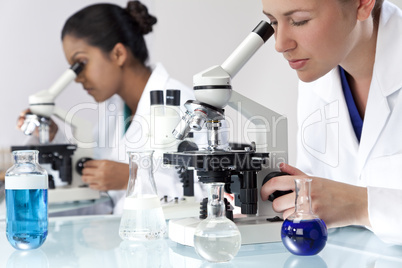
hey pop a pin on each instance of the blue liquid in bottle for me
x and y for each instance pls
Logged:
(26, 218)
(303, 233)
(305, 237)
(26, 184)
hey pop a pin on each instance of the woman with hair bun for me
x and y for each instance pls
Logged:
(109, 40)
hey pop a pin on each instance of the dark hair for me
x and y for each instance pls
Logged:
(105, 25)
(377, 10)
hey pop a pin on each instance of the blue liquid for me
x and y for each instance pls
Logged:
(26, 218)
(308, 237)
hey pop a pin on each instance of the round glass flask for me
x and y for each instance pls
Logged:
(26, 185)
(303, 233)
(142, 217)
(217, 239)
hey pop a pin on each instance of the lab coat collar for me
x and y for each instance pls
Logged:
(386, 80)
(157, 81)
(158, 78)
(387, 70)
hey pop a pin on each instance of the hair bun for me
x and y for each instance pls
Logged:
(140, 14)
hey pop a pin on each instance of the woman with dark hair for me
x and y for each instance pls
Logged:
(109, 40)
(347, 55)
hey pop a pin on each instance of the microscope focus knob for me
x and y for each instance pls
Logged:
(79, 166)
(275, 194)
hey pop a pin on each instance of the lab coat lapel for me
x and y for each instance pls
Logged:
(330, 91)
(386, 80)
(376, 115)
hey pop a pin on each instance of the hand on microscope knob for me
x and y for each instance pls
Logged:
(338, 204)
(53, 128)
(104, 175)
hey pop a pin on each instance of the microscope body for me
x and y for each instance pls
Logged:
(242, 169)
(60, 160)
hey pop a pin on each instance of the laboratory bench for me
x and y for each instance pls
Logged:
(93, 241)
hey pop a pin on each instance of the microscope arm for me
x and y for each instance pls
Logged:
(81, 131)
(271, 127)
(42, 103)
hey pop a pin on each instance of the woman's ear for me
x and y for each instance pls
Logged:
(119, 54)
(364, 9)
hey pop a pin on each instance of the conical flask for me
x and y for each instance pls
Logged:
(142, 217)
(217, 239)
(304, 233)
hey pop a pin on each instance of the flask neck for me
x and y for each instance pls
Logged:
(303, 196)
(26, 156)
(216, 204)
(141, 180)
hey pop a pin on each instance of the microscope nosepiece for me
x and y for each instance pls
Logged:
(183, 128)
(30, 123)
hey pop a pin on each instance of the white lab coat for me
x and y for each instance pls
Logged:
(327, 144)
(114, 144)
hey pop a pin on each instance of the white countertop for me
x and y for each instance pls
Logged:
(93, 241)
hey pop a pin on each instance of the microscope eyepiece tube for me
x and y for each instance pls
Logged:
(66, 78)
(247, 48)
(173, 97)
(77, 67)
(156, 97)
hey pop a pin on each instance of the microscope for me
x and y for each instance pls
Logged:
(242, 167)
(65, 184)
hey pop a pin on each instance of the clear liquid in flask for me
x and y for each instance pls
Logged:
(219, 247)
(142, 219)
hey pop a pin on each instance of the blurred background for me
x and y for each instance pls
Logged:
(189, 37)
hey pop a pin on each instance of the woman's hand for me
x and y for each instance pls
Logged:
(104, 175)
(53, 128)
(338, 204)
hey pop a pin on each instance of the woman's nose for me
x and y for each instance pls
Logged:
(283, 40)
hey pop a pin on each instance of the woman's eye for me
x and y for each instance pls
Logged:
(82, 61)
(273, 23)
(299, 23)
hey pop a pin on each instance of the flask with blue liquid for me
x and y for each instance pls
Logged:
(26, 185)
(304, 233)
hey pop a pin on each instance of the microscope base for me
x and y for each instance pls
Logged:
(254, 230)
(61, 195)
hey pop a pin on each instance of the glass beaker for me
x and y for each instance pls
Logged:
(142, 217)
(303, 233)
(26, 185)
(217, 239)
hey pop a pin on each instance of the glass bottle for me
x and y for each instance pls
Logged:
(26, 185)
(142, 217)
(303, 233)
(217, 239)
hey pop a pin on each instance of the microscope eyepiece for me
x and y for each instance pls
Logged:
(77, 67)
(264, 30)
